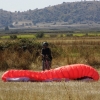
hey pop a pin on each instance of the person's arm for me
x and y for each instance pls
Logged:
(49, 52)
(42, 54)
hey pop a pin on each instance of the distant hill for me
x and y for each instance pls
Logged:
(85, 12)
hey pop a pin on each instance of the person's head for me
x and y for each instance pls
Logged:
(45, 44)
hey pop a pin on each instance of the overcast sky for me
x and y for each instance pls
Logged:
(24, 5)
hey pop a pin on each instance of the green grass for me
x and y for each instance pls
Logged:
(5, 37)
(18, 36)
(26, 36)
(81, 34)
(78, 34)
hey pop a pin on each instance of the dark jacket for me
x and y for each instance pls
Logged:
(46, 52)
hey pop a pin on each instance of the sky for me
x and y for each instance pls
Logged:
(24, 5)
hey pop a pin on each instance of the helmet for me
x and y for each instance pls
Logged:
(45, 44)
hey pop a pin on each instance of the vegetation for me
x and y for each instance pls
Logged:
(13, 36)
(24, 53)
(50, 90)
(39, 35)
(70, 13)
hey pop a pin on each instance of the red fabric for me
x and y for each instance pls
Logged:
(69, 72)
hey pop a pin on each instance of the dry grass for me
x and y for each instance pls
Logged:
(73, 90)
(87, 51)
(67, 50)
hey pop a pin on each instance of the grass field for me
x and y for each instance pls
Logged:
(72, 90)
(18, 36)
(76, 50)
(59, 34)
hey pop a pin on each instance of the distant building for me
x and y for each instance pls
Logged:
(22, 23)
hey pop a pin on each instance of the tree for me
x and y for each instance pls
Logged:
(6, 28)
(13, 36)
(39, 35)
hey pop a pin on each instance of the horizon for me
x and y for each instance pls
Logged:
(26, 5)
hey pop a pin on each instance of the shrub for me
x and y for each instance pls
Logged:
(21, 54)
(13, 36)
(39, 35)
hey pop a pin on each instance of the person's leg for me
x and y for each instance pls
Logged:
(43, 65)
(48, 65)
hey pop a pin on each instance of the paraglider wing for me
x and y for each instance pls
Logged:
(70, 72)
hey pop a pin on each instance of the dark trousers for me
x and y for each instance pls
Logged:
(46, 65)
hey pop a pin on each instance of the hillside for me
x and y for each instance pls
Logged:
(87, 12)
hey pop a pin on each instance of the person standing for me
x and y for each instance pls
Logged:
(46, 56)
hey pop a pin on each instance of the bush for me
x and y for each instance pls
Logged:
(69, 35)
(39, 35)
(13, 36)
(21, 54)
(53, 35)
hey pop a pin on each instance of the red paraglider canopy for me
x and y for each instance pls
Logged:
(70, 72)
